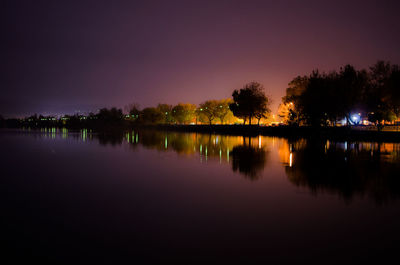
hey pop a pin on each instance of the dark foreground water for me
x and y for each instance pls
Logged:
(173, 198)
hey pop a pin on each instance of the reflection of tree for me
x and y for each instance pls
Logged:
(249, 160)
(182, 144)
(188, 143)
(348, 171)
(113, 139)
(248, 155)
(152, 139)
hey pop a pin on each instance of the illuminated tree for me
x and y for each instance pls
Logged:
(223, 112)
(208, 111)
(284, 112)
(167, 111)
(291, 109)
(184, 113)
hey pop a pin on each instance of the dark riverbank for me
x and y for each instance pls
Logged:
(328, 133)
(331, 133)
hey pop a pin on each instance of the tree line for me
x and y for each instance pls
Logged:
(324, 99)
(249, 103)
(349, 96)
(208, 112)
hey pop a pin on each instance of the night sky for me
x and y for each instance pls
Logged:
(63, 56)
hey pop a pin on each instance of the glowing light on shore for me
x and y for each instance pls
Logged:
(355, 118)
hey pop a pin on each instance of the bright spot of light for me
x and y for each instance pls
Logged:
(356, 118)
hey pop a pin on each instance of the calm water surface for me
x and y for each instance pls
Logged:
(142, 197)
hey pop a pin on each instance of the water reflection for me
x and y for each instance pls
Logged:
(347, 169)
(112, 139)
(249, 160)
(246, 154)
(207, 146)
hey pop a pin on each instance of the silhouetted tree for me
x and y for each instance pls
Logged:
(263, 111)
(152, 115)
(291, 109)
(322, 99)
(379, 100)
(110, 115)
(394, 89)
(314, 101)
(75, 121)
(2, 121)
(350, 87)
(248, 101)
(133, 110)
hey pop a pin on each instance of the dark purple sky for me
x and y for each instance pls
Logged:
(62, 56)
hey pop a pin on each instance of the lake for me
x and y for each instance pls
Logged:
(186, 198)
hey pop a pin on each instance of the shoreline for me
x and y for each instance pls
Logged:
(328, 133)
(322, 133)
